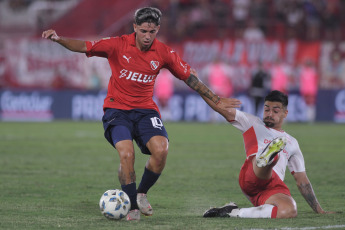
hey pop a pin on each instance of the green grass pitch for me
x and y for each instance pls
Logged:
(52, 176)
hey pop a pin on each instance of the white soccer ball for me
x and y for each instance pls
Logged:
(114, 204)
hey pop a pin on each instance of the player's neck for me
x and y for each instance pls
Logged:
(278, 128)
(143, 49)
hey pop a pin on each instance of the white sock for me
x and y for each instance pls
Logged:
(263, 211)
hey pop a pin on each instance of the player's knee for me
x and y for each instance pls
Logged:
(161, 154)
(160, 150)
(126, 157)
(287, 212)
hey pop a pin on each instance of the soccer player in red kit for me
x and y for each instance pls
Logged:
(129, 110)
(269, 151)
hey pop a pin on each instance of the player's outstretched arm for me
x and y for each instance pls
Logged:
(224, 106)
(71, 44)
(305, 188)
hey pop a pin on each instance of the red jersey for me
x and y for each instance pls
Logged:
(133, 71)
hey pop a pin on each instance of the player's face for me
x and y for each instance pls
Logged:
(274, 114)
(145, 34)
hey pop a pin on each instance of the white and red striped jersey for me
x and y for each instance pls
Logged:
(256, 136)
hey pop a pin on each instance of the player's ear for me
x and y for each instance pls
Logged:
(286, 113)
(135, 27)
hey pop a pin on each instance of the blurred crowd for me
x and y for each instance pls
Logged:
(183, 19)
(29, 17)
(250, 20)
(223, 79)
(253, 19)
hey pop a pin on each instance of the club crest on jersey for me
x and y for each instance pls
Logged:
(154, 65)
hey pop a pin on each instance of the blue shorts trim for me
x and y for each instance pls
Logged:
(137, 124)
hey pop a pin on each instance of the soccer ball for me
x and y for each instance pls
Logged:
(114, 204)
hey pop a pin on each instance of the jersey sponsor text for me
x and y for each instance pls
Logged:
(134, 76)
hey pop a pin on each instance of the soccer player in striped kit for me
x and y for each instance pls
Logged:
(269, 150)
(129, 110)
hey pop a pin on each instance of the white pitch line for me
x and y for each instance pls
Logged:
(311, 228)
(305, 228)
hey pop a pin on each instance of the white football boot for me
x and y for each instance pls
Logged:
(133, 215)
(144, 205)
(272, 149)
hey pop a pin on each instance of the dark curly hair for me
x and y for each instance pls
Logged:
(277, 96)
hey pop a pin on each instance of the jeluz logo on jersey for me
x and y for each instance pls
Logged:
(134, 76)
(157, 123)
(154, 65)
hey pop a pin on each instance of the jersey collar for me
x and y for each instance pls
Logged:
(279, 130)
(132, 42)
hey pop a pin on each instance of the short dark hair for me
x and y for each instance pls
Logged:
(147, 14)
(277, 96)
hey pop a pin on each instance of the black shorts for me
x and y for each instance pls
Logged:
(137, 124)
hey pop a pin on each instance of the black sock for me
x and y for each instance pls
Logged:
(131, 190)
(147, 181)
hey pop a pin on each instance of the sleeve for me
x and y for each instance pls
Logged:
(296, 161)
(243, 121)
(101, 48)
(174, 63)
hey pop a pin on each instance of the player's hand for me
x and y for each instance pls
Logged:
(327, 212)
(224, 103)
(228, 103)
(50, 34)
(227, 108)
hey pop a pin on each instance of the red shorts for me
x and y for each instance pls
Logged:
(258, 190)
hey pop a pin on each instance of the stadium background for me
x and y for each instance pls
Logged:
(41, 81)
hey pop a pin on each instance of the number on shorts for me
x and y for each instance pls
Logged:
(157, 123)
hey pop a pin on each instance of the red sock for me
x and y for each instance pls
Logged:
(274, 212)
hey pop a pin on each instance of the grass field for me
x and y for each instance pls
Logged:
(53, 174)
